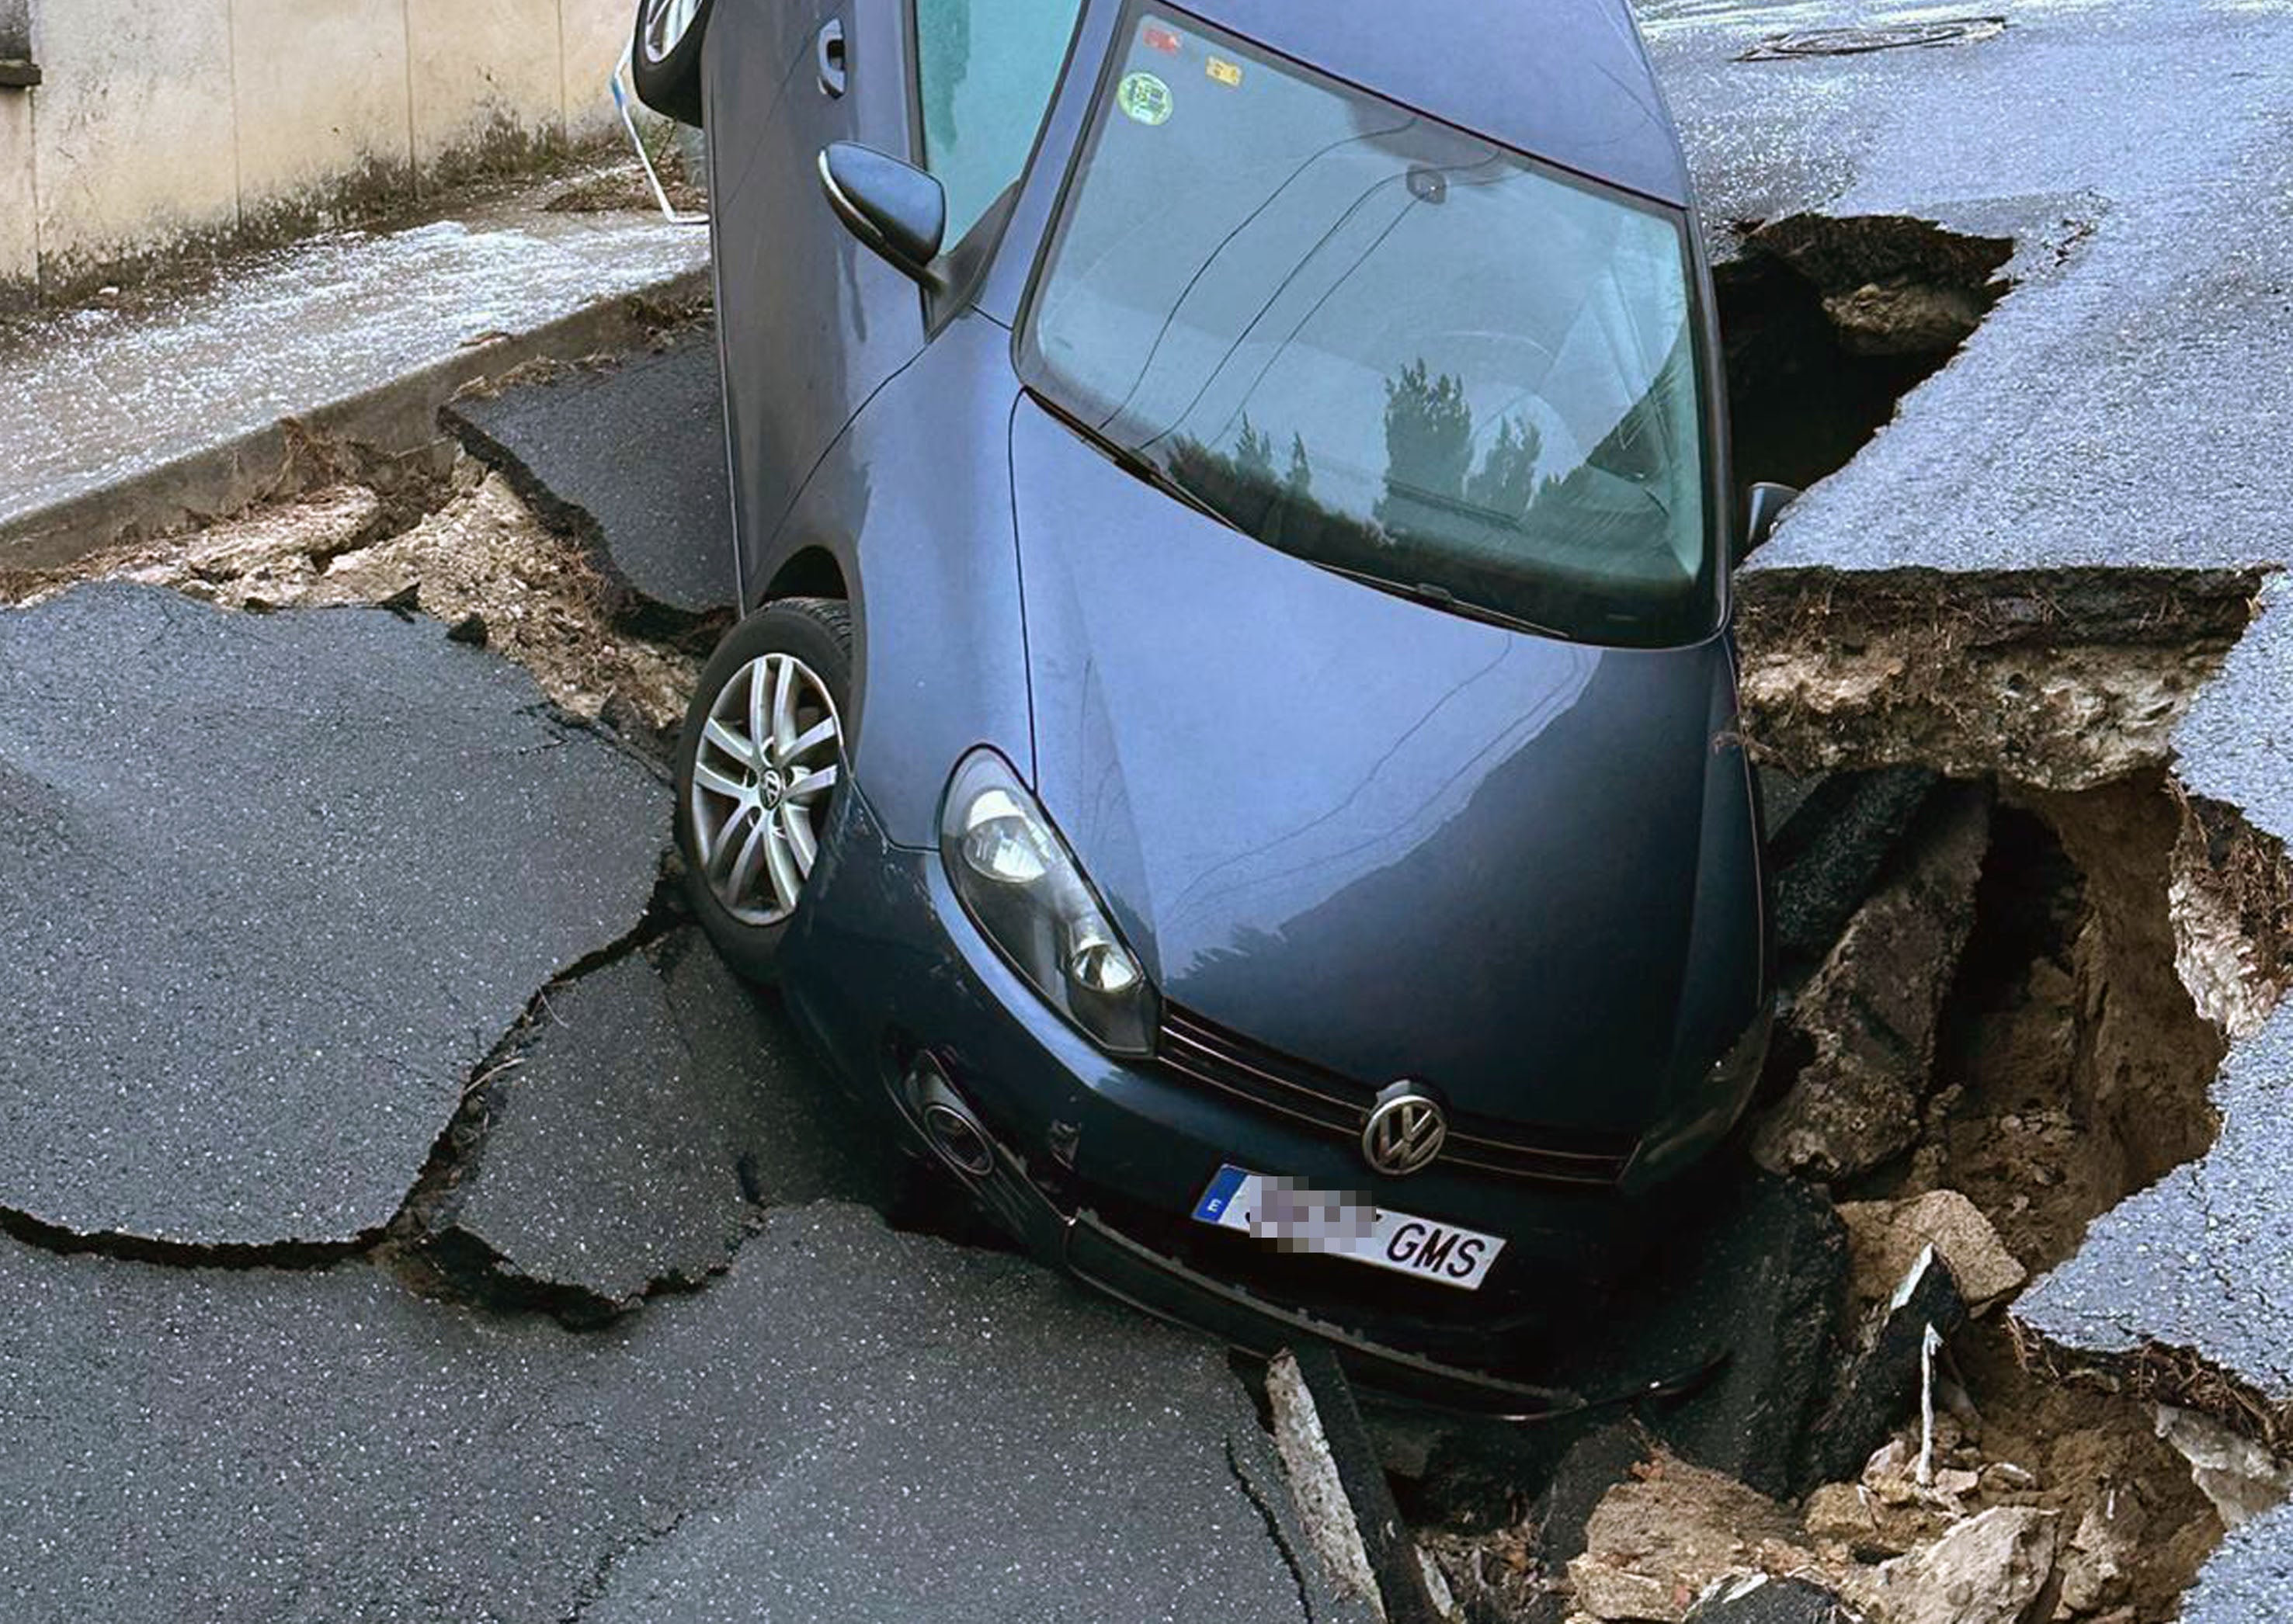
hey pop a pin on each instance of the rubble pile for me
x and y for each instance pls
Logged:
(1993, 1045)
(470, 553)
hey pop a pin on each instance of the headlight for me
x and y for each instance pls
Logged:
(1018, 881)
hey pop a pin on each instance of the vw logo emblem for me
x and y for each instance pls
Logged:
(1404, 1133)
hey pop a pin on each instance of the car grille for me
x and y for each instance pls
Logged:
(1205, 1053)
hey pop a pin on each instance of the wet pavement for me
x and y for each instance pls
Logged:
(98, 398)
(2124, 407)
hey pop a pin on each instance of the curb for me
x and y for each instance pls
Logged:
(397, 417)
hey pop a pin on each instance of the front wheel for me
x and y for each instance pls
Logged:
(758, 767)
(667, 61)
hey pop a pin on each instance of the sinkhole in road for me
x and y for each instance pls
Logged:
(1980, 757)
(1827, 323)
(2014, 949)
(1989, 1042)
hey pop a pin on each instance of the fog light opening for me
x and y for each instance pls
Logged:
(954, 1133)
(958, 1140)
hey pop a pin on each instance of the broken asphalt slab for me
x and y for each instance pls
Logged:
(2203, 1259)
(627, 456)
(2124, 404)
(658, 1106)
(2251, 1576)
(2122, 408)
(276, 884)
(119, 419)
(850, 1425)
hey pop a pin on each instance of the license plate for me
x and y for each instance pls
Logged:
(1291, 1217)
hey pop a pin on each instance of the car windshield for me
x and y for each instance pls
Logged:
(1380, 344)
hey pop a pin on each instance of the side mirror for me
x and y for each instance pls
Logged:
(1765, 506)
(891, 205)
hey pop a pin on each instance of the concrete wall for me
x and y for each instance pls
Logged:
(161, 123)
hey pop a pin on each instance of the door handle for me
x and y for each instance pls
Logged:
(834, 74)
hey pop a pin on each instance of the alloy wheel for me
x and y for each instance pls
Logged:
(666, 24)
(769, 759)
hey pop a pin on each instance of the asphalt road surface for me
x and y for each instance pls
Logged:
(344, 1066)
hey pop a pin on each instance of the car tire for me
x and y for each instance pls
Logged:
(746, 822)
(666, 62)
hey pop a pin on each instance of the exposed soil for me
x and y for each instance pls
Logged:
(480, 562)
(2062, 679)
(1829, 322)
(2073, 1067)
(623, 188)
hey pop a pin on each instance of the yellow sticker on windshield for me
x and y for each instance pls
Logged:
(1145, 98)
(1223, 71)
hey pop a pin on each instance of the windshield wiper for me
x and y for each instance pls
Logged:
(1135, 464)
(1441, 597)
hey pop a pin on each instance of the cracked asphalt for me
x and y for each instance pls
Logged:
(851, 1424)
(275, 885)
(403, 1217)
(284, 886)
(2125, 406)
(627, 455)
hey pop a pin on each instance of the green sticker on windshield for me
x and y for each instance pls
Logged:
(1145, 98)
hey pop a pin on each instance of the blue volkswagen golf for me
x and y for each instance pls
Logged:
(1234, 731)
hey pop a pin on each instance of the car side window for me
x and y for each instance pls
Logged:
(987, 69)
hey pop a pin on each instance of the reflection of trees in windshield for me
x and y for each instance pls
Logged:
(1442, 520)
(1430, 479)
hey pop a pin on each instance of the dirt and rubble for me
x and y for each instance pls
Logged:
(2010, 980)
(462, 548)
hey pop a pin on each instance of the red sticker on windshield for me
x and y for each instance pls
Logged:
(1161, 39)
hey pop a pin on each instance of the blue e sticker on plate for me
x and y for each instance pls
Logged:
(1223, 1191)
(1145, 98)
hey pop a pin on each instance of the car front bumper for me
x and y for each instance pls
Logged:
(1097, 1163)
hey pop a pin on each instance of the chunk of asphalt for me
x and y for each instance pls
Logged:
(1872, 1010)
(275, 884)
(659, 1106)
(851, 1425)
(2203, 1258)
(1339, 1482)
(1760, 1278)
(1882, 1385)
(629, 456)
(1830, 847)
(1595, 1464)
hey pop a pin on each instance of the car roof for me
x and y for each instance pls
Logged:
(1567, 81)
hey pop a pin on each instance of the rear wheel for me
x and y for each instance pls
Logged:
(758, 769)
(667, 61)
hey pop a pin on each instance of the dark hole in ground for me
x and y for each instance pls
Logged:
(1826, 324)
(2070, 1068)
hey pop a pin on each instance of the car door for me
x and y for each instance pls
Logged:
(810, 323)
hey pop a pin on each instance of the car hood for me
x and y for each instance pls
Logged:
(1374, 836)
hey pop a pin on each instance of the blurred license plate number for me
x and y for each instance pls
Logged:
(1293, 1218)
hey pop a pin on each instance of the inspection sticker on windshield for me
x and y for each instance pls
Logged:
(1145, 98)
(1293, 1218)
